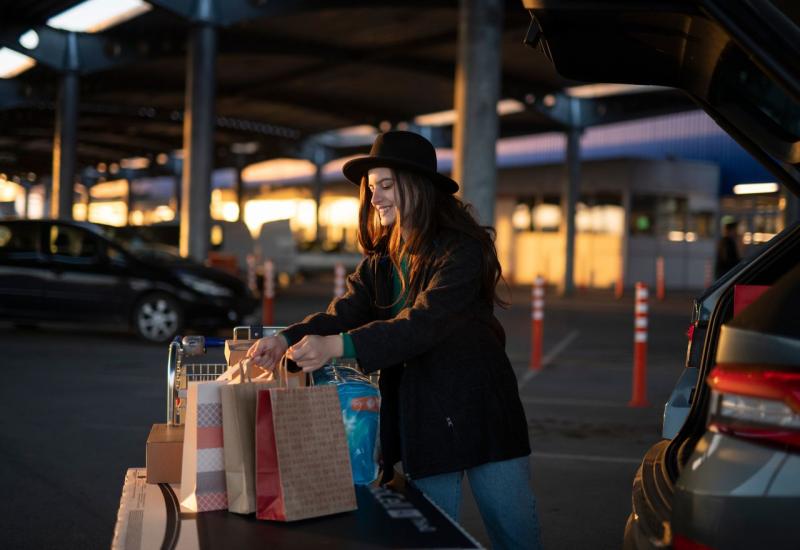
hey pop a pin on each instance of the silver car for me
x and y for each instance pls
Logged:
(727, 473)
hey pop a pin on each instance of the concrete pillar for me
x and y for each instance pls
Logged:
(27, 190)
(477, 91)
(65, 146)
(129, 199)
(198, 142)
(627, 199)
(240, 163)
(318, 183)
(569, 197)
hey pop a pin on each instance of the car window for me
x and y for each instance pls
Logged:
(19, 241)
(72, 244)
(116, 256)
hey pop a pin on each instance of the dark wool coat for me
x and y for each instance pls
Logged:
(449, 395)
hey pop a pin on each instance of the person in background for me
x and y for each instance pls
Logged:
(727, 250)
(419, 309)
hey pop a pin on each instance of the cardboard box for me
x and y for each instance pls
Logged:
(235, 350)
(164, 454)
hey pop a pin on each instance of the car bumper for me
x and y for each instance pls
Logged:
(736, 494)
(647, 526)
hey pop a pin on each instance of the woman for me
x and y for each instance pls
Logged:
(419, 309)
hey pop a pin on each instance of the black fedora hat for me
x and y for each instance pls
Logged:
(402, 150)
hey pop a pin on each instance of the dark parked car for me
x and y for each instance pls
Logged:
(83, 272)
(229, 238)
(728, 474)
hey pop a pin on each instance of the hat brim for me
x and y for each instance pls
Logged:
(356, 169)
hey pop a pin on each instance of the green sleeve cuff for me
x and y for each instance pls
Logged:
(285, 339)
(349, 350)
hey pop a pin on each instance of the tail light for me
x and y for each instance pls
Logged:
(680, 542)
(695, 335)
(756, 404)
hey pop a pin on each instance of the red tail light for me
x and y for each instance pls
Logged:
(759, 405)
(679, 542)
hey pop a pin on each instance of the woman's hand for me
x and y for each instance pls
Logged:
(267, 351)
(312, 352)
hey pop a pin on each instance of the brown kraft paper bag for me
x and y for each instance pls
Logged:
(238, 433)
(302, 458)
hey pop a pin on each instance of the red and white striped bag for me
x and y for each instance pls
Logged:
(203, 469)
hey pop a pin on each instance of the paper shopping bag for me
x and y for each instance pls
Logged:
(238, 435)
(302, 459)
(203, 466)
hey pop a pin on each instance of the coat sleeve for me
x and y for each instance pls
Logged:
(438, 310)
(352, 309)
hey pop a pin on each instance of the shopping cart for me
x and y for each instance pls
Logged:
(184, 365)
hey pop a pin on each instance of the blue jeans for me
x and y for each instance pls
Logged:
(504, 497)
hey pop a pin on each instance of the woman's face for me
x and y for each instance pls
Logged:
(382, 184)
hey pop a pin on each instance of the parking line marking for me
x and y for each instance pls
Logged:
(572, 402)
(552, 354)
(587, 458)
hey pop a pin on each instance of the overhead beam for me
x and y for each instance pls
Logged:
(228, 12)
(93, 52)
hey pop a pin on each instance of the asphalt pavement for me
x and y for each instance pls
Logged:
(76, 406)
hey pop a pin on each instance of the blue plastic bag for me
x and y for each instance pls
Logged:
(360, 403)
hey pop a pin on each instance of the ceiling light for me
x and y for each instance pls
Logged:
(135, 163)
(13, 63)
(244, 148)
(29, 40)
(753, 188)
(509, 107)
(98, 15)
(604, 90)
(446, 118)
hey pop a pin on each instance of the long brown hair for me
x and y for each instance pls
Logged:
(424, 210)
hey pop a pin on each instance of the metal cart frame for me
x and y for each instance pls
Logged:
(180, 372)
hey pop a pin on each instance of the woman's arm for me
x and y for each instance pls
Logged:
(438, 310)
(350, 310)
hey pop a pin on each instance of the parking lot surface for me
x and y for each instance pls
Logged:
(76, 407)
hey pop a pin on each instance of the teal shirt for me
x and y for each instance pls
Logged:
(398, 304)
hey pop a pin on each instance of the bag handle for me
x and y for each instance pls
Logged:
(287, 366)
(230, 374)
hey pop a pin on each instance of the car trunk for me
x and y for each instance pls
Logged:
(737, 60)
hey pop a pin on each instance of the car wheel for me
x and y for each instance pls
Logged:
(157, 318)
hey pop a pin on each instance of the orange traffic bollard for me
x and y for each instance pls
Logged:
(639, 383)
(268, 296)
(338, 280)
(660, 285)
(537, 318)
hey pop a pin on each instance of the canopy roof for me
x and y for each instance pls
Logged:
(287, 73)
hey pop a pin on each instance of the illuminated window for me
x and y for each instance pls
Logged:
(521, 218)
(216, 235)
(547, 217)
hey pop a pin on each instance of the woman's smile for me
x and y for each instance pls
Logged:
(384, 194)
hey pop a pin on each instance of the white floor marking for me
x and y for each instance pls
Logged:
(587, 458)
(552, 354)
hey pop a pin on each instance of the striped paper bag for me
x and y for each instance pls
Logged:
(203, 469)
